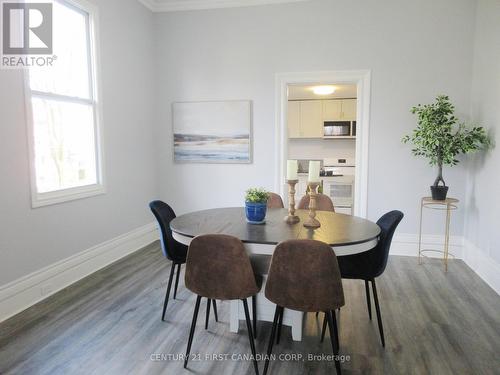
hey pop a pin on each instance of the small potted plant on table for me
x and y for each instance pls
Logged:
(256, 205)
(439, 138)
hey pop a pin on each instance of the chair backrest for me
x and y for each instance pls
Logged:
(323, 203)
(274, 201)
(164, 215)
(218, 267)
(304, 275)
(388, 224)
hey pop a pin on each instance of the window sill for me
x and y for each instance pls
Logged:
(66, 195)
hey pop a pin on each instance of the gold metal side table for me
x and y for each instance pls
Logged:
(449, 205)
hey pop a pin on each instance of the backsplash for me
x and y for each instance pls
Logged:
(321, 149)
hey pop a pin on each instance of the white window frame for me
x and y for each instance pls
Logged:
(69, 194)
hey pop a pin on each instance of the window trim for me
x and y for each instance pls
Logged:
(85, 191)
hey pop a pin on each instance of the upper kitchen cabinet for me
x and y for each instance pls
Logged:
(311, 119)
(305, 119)
(294, 119)
(339, 110)
(332, 110)
(349, 109)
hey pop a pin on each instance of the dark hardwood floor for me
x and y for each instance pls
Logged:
(109, 323)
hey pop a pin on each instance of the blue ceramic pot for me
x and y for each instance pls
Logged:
(255, 212)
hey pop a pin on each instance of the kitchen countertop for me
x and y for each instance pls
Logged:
(305, 174)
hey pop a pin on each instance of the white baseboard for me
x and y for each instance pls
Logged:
(407, 244)
(479, 261)
(482, 264)
(22, 293)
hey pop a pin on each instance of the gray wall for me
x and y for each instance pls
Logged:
(33, 238)
(483, 218)
(415, 49)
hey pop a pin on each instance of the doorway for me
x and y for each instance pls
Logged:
(361, 79)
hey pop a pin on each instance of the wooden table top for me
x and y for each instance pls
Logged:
(336, 229)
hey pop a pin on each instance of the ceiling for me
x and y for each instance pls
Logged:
(179, 5)
(299, 92)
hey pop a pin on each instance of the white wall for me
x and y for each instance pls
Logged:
(483, 205)
(415, 49)
(31, 239)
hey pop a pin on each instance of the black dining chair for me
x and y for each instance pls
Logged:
(218, 267)
(371, 264)
(172, 250)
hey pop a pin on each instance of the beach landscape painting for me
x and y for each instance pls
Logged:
(212, 132)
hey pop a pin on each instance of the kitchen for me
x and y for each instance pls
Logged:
(321, 123)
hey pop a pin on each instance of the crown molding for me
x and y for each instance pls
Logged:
(183, 5)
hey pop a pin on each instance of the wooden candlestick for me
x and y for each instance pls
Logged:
(291, 218)
(312, 222)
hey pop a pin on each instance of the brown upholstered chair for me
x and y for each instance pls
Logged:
(218, 267)
(304, 275)
(323, 203)
(274, 201)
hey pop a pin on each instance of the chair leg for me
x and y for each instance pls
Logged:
(191, 332)
(317, 314)
(254, 316)
(335, 328)
(271, 339)
(323, 330)
(250, 336)
(177, 280)
(368, 300)
(167, 294)
(280, 324)
(214, 304)
(379, 316)
(208, 312)
(335, 347)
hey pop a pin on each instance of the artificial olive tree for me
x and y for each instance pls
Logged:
(439, 136)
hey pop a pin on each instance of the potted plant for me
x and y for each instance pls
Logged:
(440, 138)
(256, 205)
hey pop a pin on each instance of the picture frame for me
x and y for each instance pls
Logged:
(212, 132)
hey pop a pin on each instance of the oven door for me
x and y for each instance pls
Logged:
(340, 192)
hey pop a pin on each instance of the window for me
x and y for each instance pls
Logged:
(63, 112)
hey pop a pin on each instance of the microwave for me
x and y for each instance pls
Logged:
(337, 129)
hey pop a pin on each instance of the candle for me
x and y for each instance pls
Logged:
(291, 170)
(313, 171)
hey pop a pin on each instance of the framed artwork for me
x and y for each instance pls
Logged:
(212, 132)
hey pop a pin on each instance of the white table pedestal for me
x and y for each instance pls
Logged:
(265, 312)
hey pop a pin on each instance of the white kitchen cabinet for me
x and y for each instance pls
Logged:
(293, 119)
(349, 109)
(300, 188)
(332, 110)
(311, 119)
(305, 119)
(339, 110)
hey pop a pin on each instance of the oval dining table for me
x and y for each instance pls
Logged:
(346, 235)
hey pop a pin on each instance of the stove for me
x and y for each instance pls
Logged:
(338, 183)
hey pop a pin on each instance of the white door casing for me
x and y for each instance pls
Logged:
(362, 79)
